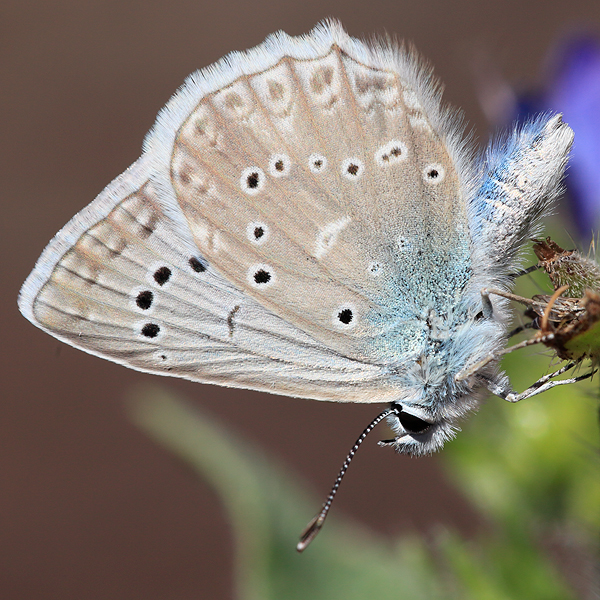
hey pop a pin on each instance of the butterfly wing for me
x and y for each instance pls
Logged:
(295, 216)
(325, 186)
(125, 281)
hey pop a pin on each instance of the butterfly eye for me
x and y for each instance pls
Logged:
(413, 424)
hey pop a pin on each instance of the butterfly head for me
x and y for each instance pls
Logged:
(416, 431)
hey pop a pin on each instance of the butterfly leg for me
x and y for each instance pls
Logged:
(486, 292)
(526, 271)
(521, 328)
(541, 385)
(545, 383)
(488, 309)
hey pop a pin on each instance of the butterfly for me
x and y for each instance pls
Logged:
(308, 219)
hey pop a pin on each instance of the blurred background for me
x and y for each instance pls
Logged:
(91, 506)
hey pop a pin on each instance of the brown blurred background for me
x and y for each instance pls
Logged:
(89, 507)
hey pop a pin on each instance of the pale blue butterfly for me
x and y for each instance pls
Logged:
(307, 219)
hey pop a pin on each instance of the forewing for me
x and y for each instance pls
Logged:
(325, 186)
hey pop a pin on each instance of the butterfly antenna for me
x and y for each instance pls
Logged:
(315, 525)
